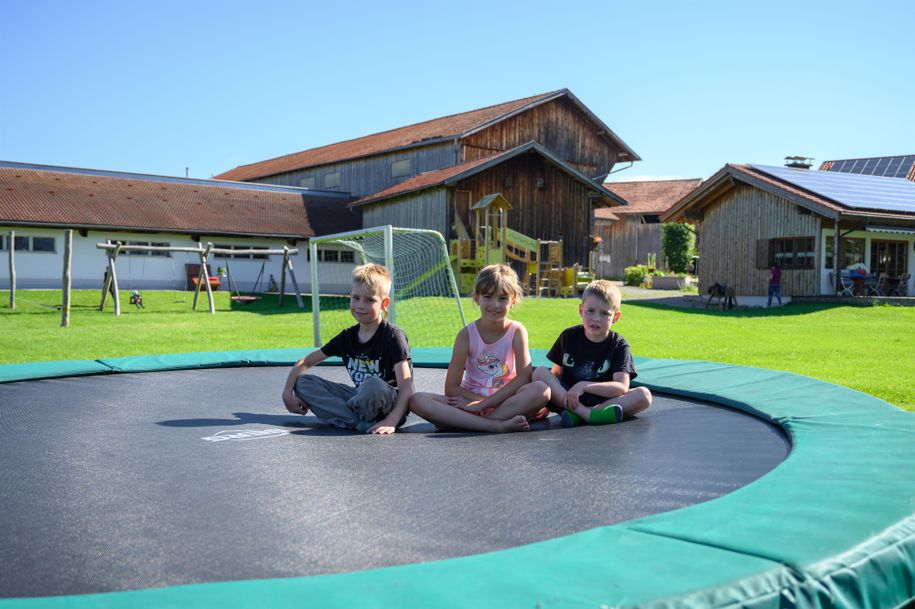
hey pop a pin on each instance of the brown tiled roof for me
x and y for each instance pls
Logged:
(439, 128)
(449, 174)
(144, 203)
(444, 128)
(648, 196)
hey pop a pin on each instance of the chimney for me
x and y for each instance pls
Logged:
(799, 162)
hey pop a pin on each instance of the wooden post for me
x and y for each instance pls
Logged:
(283, 274)
(113, 274)
(295, 284)
(12, 247)
(836, 252)
(205, 275)
(68, 260)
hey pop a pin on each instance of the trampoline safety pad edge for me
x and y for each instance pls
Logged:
(832, 526)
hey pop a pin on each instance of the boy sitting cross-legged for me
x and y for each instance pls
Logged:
(592, 365)
(377, 357)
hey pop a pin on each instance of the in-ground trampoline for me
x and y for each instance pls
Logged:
(183, 482)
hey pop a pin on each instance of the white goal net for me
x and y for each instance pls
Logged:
(424, 302)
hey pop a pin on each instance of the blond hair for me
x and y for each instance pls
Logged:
(604, 290)
(498, 279)
(374, 276)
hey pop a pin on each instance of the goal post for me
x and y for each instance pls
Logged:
(425, 301)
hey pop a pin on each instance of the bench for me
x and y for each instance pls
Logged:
(193, 277)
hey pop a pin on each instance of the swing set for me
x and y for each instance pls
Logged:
(202, 277)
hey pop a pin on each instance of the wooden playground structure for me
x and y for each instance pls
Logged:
(490, 241)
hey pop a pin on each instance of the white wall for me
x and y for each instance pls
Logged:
(43, 270)
(828, 233)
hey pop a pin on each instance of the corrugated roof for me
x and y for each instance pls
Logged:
(80, 200)
(648, 196)
(439, 129)
(449, 175)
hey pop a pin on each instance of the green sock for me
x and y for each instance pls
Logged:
(570, 419)
(607, 416)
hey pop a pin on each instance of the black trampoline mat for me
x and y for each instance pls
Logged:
(120, 482)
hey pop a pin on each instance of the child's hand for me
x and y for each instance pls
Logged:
(293, 403)
(459, 401)
(381, 428)
(574, 394)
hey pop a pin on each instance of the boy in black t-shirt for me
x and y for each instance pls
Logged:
(592, 365)
(376, 355)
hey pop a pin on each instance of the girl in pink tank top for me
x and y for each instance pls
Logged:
(489, 367)
(488, 385)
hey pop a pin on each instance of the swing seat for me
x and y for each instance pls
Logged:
(245, 299)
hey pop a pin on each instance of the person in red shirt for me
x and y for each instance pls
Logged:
(775, 284)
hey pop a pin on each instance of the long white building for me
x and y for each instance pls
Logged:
(38, 203)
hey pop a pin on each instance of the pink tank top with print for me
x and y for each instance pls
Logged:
(489, 367)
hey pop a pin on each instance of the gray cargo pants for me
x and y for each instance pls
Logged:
(345, 406)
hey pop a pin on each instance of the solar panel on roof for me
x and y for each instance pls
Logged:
(857, 191)
(886, 166)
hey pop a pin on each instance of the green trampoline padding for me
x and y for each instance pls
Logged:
(832, 526)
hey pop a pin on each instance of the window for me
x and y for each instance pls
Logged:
(332, 180)
(243, 247)
(161, 244)
(792, 252)
(308, 182)
(346, 256)
(889, 257)
(33, 244)
(852, 252)
(135, 252)
(3, 243)
(400, 168)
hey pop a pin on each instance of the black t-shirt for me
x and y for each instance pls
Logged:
(376, 357)
(584, 360)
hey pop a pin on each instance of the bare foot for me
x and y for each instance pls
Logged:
(517, 423)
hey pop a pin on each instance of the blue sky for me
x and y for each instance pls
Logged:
(155, 87)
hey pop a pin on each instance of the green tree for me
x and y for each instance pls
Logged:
(678, 242)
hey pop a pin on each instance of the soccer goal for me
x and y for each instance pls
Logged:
(424, 302)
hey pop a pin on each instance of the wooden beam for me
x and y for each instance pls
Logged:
(112, 264)
(295, 284)
(66, 280)
(12, 258)
(283, 278)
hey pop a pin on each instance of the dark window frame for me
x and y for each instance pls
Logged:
(792, 252)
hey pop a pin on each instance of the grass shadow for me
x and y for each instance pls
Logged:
(788, 310)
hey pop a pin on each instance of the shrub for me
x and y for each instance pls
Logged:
(634, 275)
(678, 242)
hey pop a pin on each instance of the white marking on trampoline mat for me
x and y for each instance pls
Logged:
(246, 434)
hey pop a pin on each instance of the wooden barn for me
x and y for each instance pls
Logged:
(748, 217)
(547, 155)
(629, 234)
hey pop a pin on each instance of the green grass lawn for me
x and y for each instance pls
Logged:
(871, 349)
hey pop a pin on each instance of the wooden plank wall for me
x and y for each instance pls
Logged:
(727, 238)
(559, 126)
(366, 176)
(628, 242)
(560, 209)
(424, 209)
